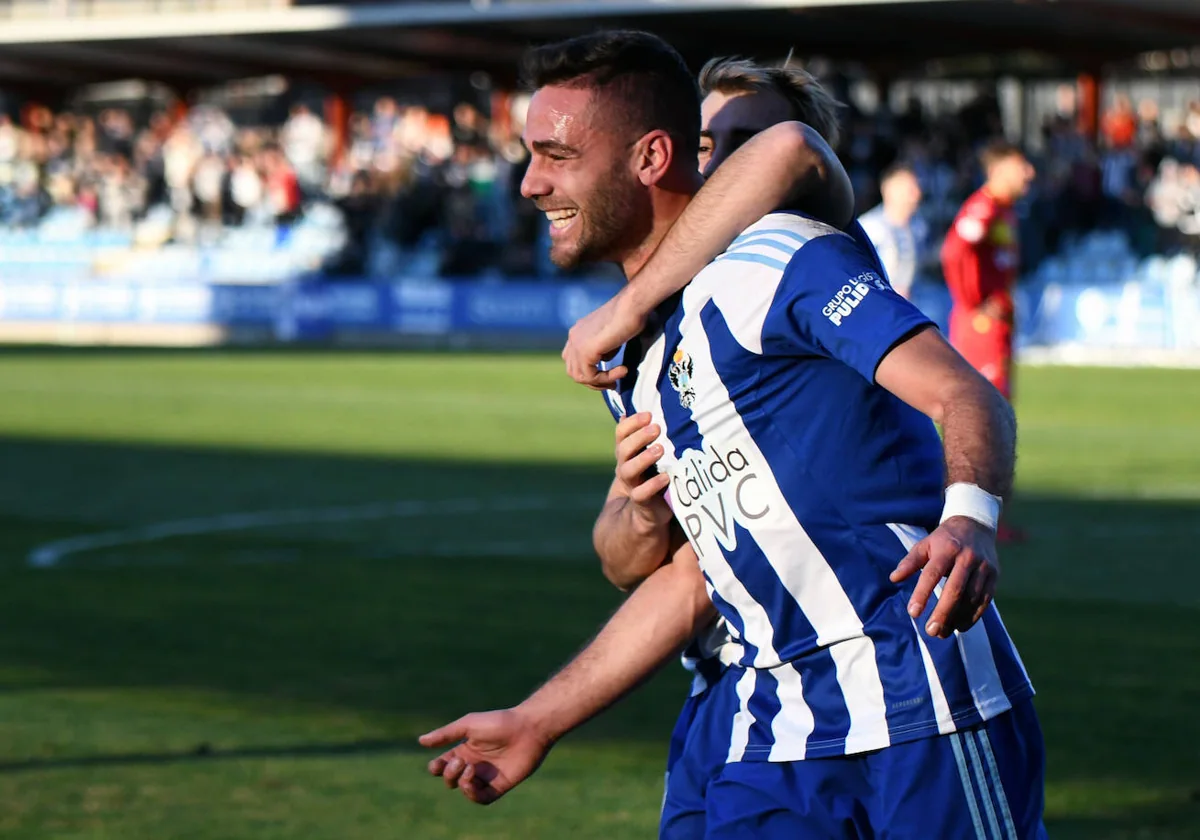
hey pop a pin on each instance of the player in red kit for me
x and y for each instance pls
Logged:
(980, 259)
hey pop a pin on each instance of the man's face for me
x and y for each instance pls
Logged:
(727, 120)
(902, 194)
(1014, 174)
(581, 176)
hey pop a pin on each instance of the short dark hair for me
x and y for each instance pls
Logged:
(644, 73)
(811, 103)
(996, 151)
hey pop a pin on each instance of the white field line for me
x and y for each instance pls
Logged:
(52, 553)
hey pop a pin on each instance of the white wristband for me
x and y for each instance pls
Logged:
(973, 502)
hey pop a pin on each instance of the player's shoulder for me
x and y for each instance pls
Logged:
(775, 238)
(976, 215)
(766, 254)
(979, 203)
(796, 227)
(744, 281)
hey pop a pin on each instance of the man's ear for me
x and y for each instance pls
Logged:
(653, 155)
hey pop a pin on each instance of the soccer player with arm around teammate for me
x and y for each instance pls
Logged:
(503, 747)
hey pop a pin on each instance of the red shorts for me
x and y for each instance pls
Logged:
(987, 344)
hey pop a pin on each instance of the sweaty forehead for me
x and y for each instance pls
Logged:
(743, 112)
(560, 115)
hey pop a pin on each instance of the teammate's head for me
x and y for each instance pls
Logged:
(901, 191)
(614, 118)
(742, 98)
(1009, 173)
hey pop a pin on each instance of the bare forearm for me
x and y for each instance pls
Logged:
(979, 431)
(788, 165)
(649, 629)
(629, 549)
(980, 436)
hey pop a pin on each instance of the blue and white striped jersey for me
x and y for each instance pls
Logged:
(801, 483)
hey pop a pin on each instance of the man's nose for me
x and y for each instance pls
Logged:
(534, 184)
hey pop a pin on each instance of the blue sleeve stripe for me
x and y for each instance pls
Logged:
(788, 248)
(778, 265)
(784, 232)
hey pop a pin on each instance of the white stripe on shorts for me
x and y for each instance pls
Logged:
(964, 776)
(997, 785)
(984, 784)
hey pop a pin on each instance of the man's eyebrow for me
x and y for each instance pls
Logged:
(548, 147)
(704, 132)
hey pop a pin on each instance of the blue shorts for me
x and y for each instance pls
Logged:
(683, 726)
(685, 789)
(981, 784)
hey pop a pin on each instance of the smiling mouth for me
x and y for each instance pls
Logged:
(561, 219)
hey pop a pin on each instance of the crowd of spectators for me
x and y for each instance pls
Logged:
(407, 180)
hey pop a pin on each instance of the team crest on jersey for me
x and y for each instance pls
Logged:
(680, 374)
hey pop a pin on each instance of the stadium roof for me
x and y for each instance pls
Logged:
(377, 40)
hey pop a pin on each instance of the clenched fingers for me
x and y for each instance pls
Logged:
(631, 471)
(649, 488)
(632, 423)
(636, 442)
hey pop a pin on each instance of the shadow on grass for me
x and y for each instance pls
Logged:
(1162, 821)
(360, 617)
(205, 752)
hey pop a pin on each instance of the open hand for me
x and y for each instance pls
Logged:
(963, 552)
(498, 751)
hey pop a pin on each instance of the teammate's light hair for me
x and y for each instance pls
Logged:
(811, 103)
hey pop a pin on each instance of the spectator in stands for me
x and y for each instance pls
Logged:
(361, 210)
(281, 184)
(894, 227)
(122, 194)
(384, 121)
(304, 143)
(444, 179)
(10, 143)
(1120, 124)
(245, 190)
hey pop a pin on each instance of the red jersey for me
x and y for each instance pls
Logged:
(980, 256)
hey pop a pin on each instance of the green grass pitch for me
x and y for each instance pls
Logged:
(358, 546)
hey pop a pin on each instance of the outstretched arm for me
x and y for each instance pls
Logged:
(788, 165)
(499, 749)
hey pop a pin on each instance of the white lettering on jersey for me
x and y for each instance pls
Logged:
(850, 296)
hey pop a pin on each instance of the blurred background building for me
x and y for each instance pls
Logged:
(192, 171)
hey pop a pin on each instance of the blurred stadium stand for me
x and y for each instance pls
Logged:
(200, 170)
